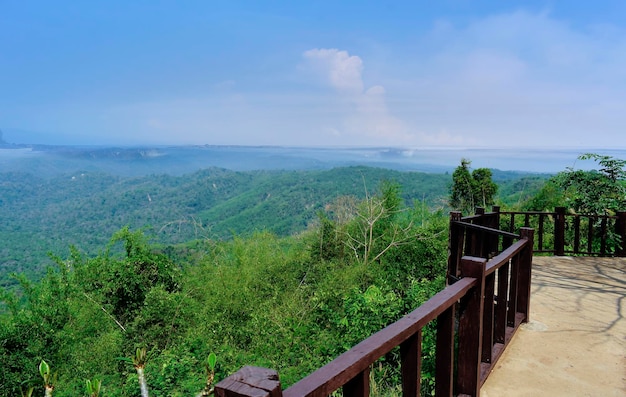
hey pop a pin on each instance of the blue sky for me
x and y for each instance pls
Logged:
(323, 73)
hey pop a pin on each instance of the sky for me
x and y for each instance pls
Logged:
(451, 73)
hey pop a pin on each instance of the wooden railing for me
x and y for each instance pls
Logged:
(487, 298)
(562, 233)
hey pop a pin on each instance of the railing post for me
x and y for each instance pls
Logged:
(590, 221)
(508, 241)
(542, 217)
(488, 310)
(250, 382)
(411, 357)
(525, 272)
(500, 320)
(495, 224)
(603, 234)
(620, 230)
(559, 231)
(577, 234)
(444, 365)
(455, 247)
(471, 328)
(513, 291)
(474, 241)
(359, 386)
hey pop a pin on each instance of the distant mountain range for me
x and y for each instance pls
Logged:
(50, 160)
(45, 153)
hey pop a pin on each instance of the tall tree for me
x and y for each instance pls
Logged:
(471, 189)
(484, 188)
(461, 196)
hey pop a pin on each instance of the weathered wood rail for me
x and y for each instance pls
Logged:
(487, 298)
(562, 233)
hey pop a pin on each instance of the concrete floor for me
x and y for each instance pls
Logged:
(575, 342)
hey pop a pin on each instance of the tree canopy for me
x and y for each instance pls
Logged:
(595, 191)
(471, 190)
(290, 303)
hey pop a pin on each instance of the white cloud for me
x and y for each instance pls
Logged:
(373, 119)
(341, 70)
(368, 119)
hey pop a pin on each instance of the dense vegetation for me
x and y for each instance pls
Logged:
(601, 191)
(471, 190)
(41, 215)
(318, 261)
(290, 303)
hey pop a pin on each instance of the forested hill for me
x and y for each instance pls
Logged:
(42, 215)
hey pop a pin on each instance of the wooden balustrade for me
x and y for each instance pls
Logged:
(561, 233)
(487, 298)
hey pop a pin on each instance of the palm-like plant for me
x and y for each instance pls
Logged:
(210, 373)
(44, 371)
(93, 387)
(139, 362)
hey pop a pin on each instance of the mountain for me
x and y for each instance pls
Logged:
(48, 214)
(52, 197)
(50, 160)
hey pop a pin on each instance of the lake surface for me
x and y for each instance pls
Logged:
(51, 160)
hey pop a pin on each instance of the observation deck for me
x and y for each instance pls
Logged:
(575, 341)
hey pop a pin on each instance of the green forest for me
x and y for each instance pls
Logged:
(42, 215)
(177, 282)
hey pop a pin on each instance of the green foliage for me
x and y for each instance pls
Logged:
(601, 191)
(44, 371)
(614, 169)
(461, 195)
(329, 242)
(470, 190)
(92, 388)
(46, 375)
(379, 226)
(211, 362)
(594, 192)
(91, 310)
(287, 301)
(259, 300)
(547, 198)
(83, 209)
(483, 188)
(513, 193)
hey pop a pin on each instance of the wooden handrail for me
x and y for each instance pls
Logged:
(497, 261)
(486, 321)
(338, 372)
(577, 234)
(486, 229)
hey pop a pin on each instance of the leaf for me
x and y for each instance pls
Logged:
(211, 361)
(93, 388)
(44, 370)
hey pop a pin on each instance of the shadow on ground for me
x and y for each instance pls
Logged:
(575, 342)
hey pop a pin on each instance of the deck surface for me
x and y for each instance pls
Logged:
(575, 342)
